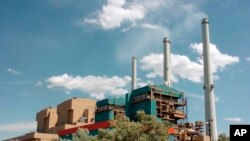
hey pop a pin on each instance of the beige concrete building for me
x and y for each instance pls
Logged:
(46, 120)
(71, 113)
(75, 112)
(34, 136)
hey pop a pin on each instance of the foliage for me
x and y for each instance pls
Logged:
(146, 128)
(223, 137)
(82, 135)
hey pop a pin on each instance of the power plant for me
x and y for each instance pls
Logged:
(161, 101)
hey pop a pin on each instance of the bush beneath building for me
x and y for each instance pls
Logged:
(146, 128)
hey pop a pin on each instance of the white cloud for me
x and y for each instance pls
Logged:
(164, 19)
(38, 83)
(117, 12)
(185, 68)
(13, 71)
(233, 119)
(90, 21)
(160, 16)
(248, 59)
(218, 59)
(19, 126)
(150, 26)
(189, 70)
(201, 97)
(97, 86)
(125, 29)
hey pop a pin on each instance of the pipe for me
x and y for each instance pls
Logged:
(166, 62)
(134, 74)
(211, 127)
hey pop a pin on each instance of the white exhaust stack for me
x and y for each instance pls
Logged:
(134, 74)
(166, 62)
(210, 113)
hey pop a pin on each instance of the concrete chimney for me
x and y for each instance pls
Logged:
(166, 62)
(210, 113)
(134, 74)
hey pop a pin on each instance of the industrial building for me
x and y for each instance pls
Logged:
(159, 100)
(162, 101)
(71, 113)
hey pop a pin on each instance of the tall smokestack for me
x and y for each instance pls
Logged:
(210, 113)
(166, 62)
(134, 74)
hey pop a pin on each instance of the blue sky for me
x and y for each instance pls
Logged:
(53, 50)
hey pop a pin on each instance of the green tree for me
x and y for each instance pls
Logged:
(146, 128)
(83, 135)
(223, 137)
